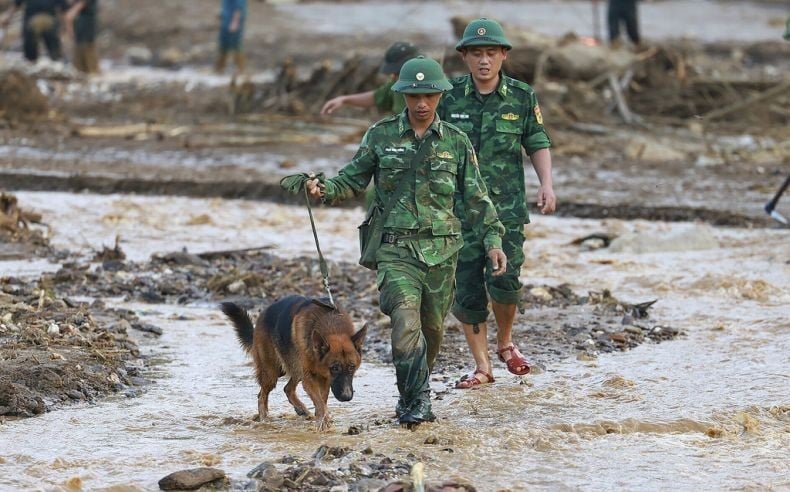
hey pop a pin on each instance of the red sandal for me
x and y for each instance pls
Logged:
(516, 364)
(471, 380)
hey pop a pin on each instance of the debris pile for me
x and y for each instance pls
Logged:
(56, 350)
(20, 99)
(294, 94)
(343, 468)
(581, 81)
(255, 278)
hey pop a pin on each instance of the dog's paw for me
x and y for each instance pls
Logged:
(324, 423)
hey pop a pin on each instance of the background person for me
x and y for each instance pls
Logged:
(623, 12)
(81, 21)
(233, 13)
(40, 22)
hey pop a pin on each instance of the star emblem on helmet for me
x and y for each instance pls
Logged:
(419, 76)
(481, 31)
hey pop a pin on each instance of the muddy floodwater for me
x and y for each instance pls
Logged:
(708, 410)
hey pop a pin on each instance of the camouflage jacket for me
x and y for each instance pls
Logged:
(499, 125)
(427, 205)
(388, 101)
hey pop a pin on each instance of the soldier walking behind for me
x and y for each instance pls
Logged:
(501, 116)
(382, 97)
(422, 234)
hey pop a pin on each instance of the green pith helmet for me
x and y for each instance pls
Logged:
(483, 32)
(397, 55)
(421, 76)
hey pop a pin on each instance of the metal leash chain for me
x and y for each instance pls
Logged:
(321, 261)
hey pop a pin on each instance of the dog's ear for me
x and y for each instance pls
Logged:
(320, 344)
(359, 338)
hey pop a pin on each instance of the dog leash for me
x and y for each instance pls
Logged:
(321, 261)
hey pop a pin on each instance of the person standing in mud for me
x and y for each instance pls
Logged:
(625, 12)
(382, 97)
(232, 16)
(40, 22)
(501, 116)
(422, 234)
(80, 21)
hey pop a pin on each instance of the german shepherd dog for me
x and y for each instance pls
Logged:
(310, 342)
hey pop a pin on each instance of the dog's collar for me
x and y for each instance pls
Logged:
(324, 302)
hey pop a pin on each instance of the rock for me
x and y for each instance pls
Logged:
(368, 485)
(580, 61)
(269, 475)
(652, 151)
(697, 237)
(451, 485)
(541, 293)
(635, 330)
(53, 329)
(704, 160)
(618, 337)
(139, 55)
(170, 58)
(237, 287)
(190, 479)
(147, 327)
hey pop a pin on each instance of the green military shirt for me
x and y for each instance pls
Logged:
(499, 125)
(426, 205)
(387, 100)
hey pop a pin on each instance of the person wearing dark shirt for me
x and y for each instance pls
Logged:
(80, 21)
(40, 22)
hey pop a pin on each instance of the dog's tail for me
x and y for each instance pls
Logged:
(242, 321)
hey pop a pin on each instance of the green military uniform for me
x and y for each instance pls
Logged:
(388, 101)
(499, 125)
(416, 262)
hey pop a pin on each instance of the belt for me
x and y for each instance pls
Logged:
(390, 238)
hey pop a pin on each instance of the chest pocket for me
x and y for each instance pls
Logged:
(465, 126)
(509, 135)
(443, 176)
(391, 169)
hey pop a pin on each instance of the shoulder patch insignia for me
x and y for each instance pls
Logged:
(538, 115)
(510, 116)
(444, 155)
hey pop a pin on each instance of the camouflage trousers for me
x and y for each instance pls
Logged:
(473, 275)
(417, 298)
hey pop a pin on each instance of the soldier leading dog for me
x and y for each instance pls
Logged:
(306, 340)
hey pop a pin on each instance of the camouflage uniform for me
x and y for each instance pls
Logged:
(387, 101)
(498, 125)
(415, 274)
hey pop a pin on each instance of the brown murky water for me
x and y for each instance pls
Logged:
(710, 410)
